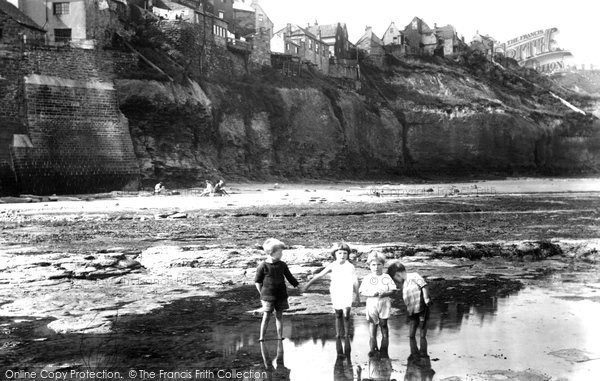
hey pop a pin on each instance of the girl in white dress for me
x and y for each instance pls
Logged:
(344, 285)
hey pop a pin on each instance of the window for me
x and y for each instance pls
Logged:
(62, 35)
(0, 33)
(310, 44)
(287, 47)
(221, 14)
(60, 8)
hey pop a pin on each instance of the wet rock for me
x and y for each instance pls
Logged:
(85, 324)
(178, 215)
(510, 375)
(128, 264)
(573, 355)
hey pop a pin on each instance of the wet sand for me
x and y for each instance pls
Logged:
(118, 283)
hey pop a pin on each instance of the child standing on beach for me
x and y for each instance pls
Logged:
(270, 283)
(344, 285)
(377, 287)
(416, 297)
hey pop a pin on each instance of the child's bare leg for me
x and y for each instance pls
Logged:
(414, 351)
(372, 336)
(339, 325)
(412, 331)
(347, 322)
(264, 324)
(412, 328)
(385, 338)
(347, 347)
(423, 341)
(279, 323)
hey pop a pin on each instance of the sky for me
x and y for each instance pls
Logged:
(576, 20)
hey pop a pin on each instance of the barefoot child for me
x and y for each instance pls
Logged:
(344, 284)
(416, 297)
(377, 287)
(270, 283)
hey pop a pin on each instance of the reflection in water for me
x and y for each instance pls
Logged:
(343, 370)
(379, 369)
(274, 369)
(418, 369)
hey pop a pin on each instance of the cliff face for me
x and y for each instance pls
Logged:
(409, 118)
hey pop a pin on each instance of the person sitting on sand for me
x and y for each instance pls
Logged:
(270, 283)
(219, 189)
(160, 188)
(208, 191)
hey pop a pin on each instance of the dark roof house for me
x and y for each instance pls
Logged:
(335, 36)
(16, 26)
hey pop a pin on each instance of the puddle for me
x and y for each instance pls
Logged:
(475, 327)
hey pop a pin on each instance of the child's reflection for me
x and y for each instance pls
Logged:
(418, 367)
(342, 370)
(275, 369)
(379, 367)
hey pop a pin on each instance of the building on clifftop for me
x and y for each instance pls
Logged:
(80, 23)
(419, 37)
(393, 35)
(16, 26)
(483, 43)
(296, 41)
(371, 45)
(448, 42)
(335, 36)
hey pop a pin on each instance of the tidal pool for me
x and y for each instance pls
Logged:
(547, 329)
(550, 327)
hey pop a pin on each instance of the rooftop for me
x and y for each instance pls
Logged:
(20, 17)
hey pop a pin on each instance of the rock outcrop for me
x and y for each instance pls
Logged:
(410, 117)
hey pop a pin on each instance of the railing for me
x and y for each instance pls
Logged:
(239, 45)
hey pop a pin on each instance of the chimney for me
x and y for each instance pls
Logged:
(288, 29)
(367, 28)
(316, 23)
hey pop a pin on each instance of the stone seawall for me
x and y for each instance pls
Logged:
(62, 129)
(74, 147)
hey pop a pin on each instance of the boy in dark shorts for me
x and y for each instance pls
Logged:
(416, 297)
(270, 283)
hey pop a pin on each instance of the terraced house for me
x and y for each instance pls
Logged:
(299, 42)
(71, 22)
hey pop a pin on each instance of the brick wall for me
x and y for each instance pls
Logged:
(205, 55)
(81, 141)
(63, 100)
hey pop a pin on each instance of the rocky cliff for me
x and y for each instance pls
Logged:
(410, 117)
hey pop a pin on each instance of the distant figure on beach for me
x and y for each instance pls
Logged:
(270, 283)
(219, 189)
(343, 287)
(416, 297)
(377, 287)
(208, 191)
(160, 188)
